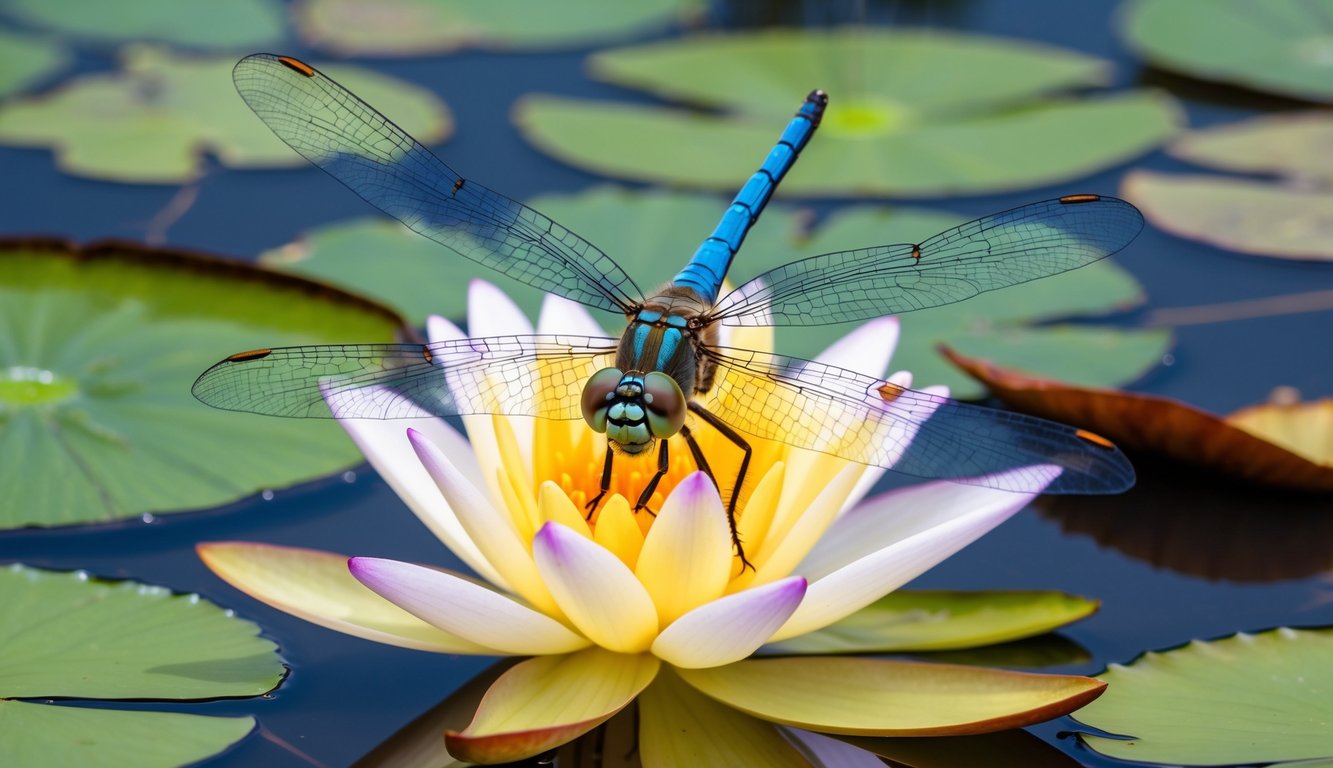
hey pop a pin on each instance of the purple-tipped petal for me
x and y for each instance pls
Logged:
(865, 555)
(729, 628)
(595, 590)
(465, 608)
(489, 529)
(686, 557)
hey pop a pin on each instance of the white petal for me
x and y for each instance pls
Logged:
(560, 315)
(875, 549)
(729, 628)
(490, 530)
(595, 590)
(442, 329)
(466, 609)
(867, 349)
(386, 447)
(873, 474)
(490, 312)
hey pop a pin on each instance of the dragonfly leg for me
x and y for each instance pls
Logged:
(606, 484)
(699, 460)
(662, 463)
(739, 442)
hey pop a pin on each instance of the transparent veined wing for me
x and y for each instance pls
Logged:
(997, 251)
(539, 376)
(860, 418)
(363, 149)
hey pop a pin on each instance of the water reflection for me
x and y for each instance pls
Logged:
(1203, 525)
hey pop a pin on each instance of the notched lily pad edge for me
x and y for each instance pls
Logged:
(1092, 730)
(110, 250)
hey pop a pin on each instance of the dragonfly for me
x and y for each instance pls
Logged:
(668, 364)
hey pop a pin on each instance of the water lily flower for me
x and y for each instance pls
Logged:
(653, 606)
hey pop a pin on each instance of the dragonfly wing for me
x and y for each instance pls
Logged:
(1000, 250)
(363, 149)
(514, 375)
(860, 418)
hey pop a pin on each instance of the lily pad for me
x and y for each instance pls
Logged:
(1287, 217)
(1257, 217)
(417, 27)
(199, 24)
(152, 121)
(1244, 699)
(65, 635)
(999, 124)
(25, 60)
(98, 349)
(1293, 145)
(1281, 46)
(936, 621)
(1234, 448)
(652, 234)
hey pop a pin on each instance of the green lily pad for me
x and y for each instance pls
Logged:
(1293, 145)
(997, 125)
(940, 621)
(66, 635)
(1255, 217)
(98, 349)
(1282, 46)
(25, 60)
(199, 24)
(652, 234)
(1244, 699)
(416, 27)
(1290, 218)
(152, 121)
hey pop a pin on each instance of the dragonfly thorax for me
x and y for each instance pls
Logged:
(633, 409)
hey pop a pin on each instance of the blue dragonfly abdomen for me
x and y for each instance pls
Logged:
(707, 268)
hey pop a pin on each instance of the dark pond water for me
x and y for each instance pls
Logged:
(1178, 558)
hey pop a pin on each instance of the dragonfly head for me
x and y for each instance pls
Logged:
(633, 409)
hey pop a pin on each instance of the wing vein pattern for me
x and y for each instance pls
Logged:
(539, 376)
(358, 146)
(997, 251)
(860, 418)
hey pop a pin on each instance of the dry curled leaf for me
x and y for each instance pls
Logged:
(1282, 446)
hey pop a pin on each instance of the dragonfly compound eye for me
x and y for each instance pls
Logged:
(665, 404)
(598, 395)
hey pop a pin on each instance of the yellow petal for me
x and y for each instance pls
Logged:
(879, 697)
(686, 558)
(598, 594)
(554, 505)
(547, 701)
(316, 586)
(681, 727)
(618, 530)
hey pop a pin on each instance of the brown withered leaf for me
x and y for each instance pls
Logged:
(1279, 446)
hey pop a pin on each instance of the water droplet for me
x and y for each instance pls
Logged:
(148, 517)
(349, 476)
(1168, 359)
(266, 495)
